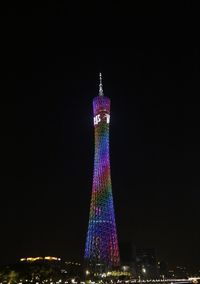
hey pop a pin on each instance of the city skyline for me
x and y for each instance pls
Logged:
(48, 151)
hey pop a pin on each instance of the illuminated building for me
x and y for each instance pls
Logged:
(39, 258)
(102, 245)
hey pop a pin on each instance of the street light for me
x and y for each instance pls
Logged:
(144, 270)
(87, 272)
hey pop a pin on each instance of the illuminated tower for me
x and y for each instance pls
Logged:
(101, 244)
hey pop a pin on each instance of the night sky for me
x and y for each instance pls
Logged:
(48, 147)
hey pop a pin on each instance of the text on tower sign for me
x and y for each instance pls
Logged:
(98, 118)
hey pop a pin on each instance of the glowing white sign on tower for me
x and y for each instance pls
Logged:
(98, 118)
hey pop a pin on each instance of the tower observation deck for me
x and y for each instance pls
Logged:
(102, 245)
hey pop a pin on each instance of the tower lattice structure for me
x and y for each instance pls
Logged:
(102, 244)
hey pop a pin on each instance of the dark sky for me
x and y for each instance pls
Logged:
(48, 144)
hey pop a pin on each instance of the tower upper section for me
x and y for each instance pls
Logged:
(101, 106)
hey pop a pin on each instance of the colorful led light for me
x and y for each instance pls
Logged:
(101, 244)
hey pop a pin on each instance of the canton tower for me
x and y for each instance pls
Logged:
(102, 244)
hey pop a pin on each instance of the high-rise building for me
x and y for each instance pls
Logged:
(102, 245)
(146, 263)
(127, 252)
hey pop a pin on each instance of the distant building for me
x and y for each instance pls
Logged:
(181, 272)
(127, 252)
(146, 263)
(163, 269)
(142, 261)
(40, 258)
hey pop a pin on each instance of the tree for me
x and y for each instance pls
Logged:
(12, 277)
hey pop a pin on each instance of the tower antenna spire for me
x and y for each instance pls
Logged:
(100, 85)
